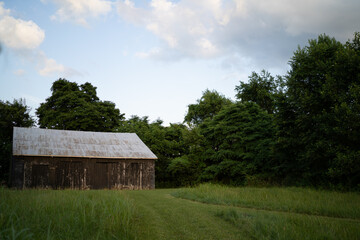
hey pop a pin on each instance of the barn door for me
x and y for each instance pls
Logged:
(40, 176)
(108, 175)
(101, 177)
(17, 175)
(135, 176)
(116, 178)
(70, 175)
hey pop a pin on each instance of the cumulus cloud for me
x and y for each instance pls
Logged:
(79, 11)
(186, 26)
(3, 11)
(257, 29)
(48, 66)
(17, 33)
(24, 38)
(19, 72)
(310, 16)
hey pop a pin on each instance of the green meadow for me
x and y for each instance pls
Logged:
(204, 212)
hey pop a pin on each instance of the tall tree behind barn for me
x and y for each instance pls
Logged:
(44, 158)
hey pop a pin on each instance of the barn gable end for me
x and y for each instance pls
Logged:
(44, 158)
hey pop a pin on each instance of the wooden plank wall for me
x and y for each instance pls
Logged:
(82, 173)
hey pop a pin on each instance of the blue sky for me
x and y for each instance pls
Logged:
(153, 58)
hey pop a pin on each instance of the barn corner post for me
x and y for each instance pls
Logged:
(154, 176)
(10, 180)
(59, 159)
(13, 183)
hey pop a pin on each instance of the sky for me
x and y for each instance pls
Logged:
(154, 58)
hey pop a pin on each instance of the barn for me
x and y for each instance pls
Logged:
(59, 159)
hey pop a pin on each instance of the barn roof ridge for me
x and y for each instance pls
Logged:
(72, 143)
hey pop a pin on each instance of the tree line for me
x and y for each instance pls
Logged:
(301, 129)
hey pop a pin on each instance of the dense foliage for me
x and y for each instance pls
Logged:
(207, 106)
(75, 107)
(299, 129)
(319, 115)
(261, 89)
(239, 140)
(15, 114)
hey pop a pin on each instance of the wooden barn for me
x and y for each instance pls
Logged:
(58, 159)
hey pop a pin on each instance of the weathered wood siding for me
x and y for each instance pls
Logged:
(82, 173)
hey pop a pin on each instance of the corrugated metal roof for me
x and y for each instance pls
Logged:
(65, 143)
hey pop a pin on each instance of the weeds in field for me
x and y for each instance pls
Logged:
(68, 214)
(236, 213)
(284, 226)
(292, 199)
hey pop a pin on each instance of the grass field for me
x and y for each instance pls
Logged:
(65, 214)
(291, 199)
(205, 212)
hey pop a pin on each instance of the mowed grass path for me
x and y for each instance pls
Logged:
(285, 199)
(162, 216)
(159, 215)
(224, 213)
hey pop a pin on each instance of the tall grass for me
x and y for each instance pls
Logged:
(281, 226)
(66, 214)
(292, 199)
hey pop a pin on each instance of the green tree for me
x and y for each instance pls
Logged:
(319, 116)
(262, 89)
(15, 114)
(207, 106)
(186, 168)
(180, 170)
(77, 107)
(240, 139)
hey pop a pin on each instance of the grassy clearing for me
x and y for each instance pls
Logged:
(297, 200)
(284, 226)
(156, 214)
(67, 214)
(160, 216)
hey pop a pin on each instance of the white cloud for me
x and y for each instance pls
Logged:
(24, 37)
(17, 33)
(184, 26)
(309, 16)
(206, 47)
(256, 29)
(79, 11)
(152, 53)
(3, 11)
(48, 66)
(19, 72)
(129, 13)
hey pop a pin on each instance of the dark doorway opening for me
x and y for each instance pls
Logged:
(40, 176)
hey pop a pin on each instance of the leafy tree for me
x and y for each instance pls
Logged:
(262, 89)
(185, 170)
(77, 107)
(240, 139)
(319, 116)
(180, 170)
(207, 106)
(15, 114)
